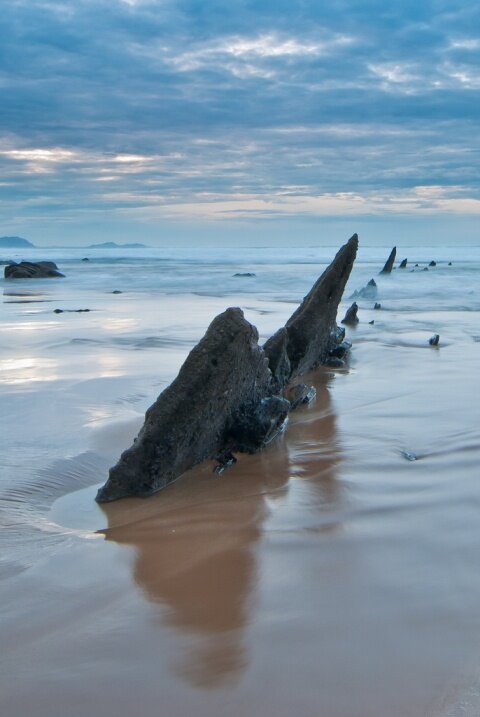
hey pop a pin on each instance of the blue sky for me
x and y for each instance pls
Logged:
(182, 122)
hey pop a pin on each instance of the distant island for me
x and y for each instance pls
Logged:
(114, 245)
(15, 242)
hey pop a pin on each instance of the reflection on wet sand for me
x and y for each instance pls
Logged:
(197, 543)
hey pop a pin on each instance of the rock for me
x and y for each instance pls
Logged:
(425, 268)
(449, 263)
(117, 291)
(247, 273)
(32, 270)
(368, 292)
(225, 460)
(221, 400)
(86, 258)
(311, 332)
(351, 318)
(433, 340)
(227, 395)
(334, 362)
(341, 350)
(58, 311)
(417, 264)
(377, 306)
(389, 263)
(433, 263)
(409, 456)
(403, 264)
(300, 394)
(371, 322)
(70, 311)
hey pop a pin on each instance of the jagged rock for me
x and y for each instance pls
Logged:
(433, 340)
(32, 270)
(300, 394)
(371, 322)
(433, 263)
(368, 292)
(390, 261)
(221, 400)
(227, 395)
(403, 264)
(351, 318)
(450, 263)
(312, 332)
(377, 306)
(246, 273)
(341, 349)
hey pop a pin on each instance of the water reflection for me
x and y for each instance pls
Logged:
(197, 543)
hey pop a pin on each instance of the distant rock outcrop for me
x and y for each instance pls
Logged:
(32, 270)
(387, 269)
(403, 264)
(13, 242)
(228, 395)
(369, 291)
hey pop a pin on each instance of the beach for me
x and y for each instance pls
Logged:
(327, 576)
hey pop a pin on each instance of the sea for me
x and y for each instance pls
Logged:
(336, 574)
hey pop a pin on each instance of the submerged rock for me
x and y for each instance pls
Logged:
(228, 395)
(32, 270)
(300, 395)
(246, 273)
(387, 269)
(351, 318)
(369, 291)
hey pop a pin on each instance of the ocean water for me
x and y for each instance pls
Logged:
(327, 576)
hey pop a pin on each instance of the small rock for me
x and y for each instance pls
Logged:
(403, 264)
(246, 273)
(433, 263)
(425, 268)
(351, 318)
(377, 306)
(85, 258)
(449, 263)
(58, 311)
(334, 362)
(371, 322)
(225, 460)
(389, 263)
(117, 291)
(409, 456)
(433, 340)
(300, 394)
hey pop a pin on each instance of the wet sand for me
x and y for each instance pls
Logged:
(327, 576)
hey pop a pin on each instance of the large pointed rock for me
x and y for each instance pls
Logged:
(311, 333)
(387, 269)
(221, 400)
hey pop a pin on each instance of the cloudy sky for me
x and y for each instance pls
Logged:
(255, 121)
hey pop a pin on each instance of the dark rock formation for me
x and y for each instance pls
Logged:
(449, 263)
(117, 291)
(368, 292)
(377, 306)
(351, 318)
(300, 394)
(221, 400)
(433, 263)
(32, 270)
(246, 273)
(70, 311)
(403, 264)
(433, 340)
(227, 396)
(312, 332)
(387, 269)
(371, 322)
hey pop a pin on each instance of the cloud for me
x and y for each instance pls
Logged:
(186, 109)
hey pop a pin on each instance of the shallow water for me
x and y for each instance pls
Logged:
(328, 576)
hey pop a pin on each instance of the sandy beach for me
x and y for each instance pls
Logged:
(327, 576)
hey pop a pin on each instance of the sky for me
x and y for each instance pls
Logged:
(187, 122)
